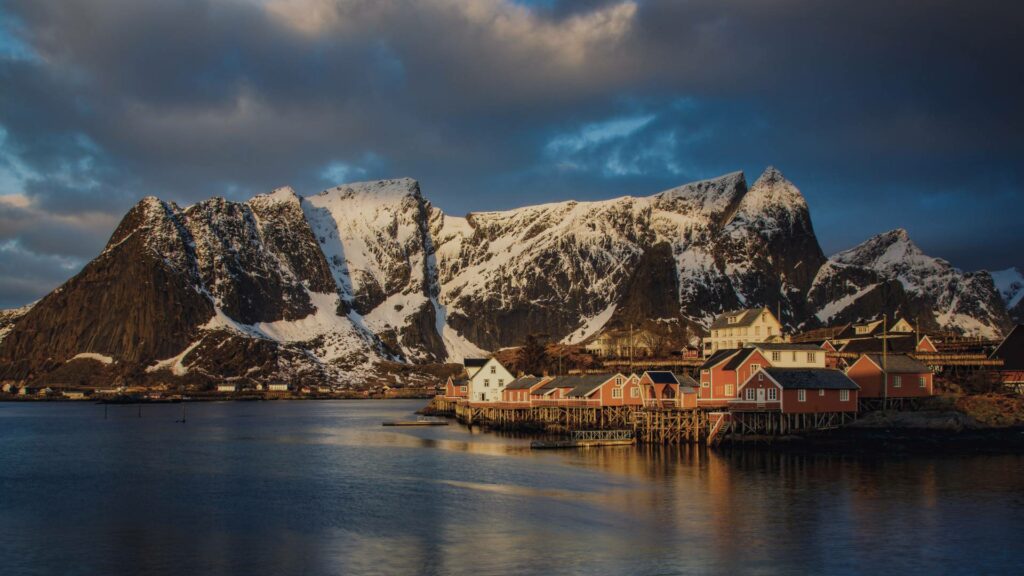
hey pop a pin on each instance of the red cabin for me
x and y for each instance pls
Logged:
(456, 388)
(724, 371)
(519, 390)
(608, 390)
(660, 389)
(797, 391)
(906, 377)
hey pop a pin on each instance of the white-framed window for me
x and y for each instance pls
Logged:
(704, 371)
(794, 356)
(922, 381)
(801, 395)
(810, 357)
(844, 395)
(616, 392)
(749, 393)
(897, 381)
(776, 356)
(728, 389)
(821, 391)
(463, 388)
(500, 383)
(757, 330)
(704, 384)
(487, 383)
(618, 380)
(634, 392)
(494, 369)
(773, 393)
(754, 368)
(760, 377)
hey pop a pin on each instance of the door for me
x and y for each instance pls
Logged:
(760, 395)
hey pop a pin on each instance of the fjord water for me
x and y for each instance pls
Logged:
(321, 488)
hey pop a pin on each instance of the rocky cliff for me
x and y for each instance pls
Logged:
(330, 287)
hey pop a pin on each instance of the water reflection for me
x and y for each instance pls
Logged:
(322, 488)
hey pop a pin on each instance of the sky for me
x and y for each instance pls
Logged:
(885, 114)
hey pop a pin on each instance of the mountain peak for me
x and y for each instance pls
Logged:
(771, 175)
(377, 191)
(284, 194)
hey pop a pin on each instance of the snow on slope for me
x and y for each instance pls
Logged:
(1010, 283)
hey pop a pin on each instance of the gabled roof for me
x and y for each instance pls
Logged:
(1011, 349)
(474, 362)
(745, 318)
(811, 378)
(786, 347)
(899, 364)
(459, 381)
(737, 360)
(687, 381)
(524, 382)
(718, 357)
(662, 377)
(874, 345)
(587, 383)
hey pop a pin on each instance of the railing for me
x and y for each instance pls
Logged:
(601, 434)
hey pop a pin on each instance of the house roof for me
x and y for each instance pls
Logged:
(687, 381)
(460, 382)
(811, 378)
(738, 359)
(584, 384)
(874, 345)
(662, 377)
(474, 362)
(718, 357)
(1011, 350)
(746, 318)
(524, 382)
(784, 346)
(899, 364)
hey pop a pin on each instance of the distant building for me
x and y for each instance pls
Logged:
(277, 387)
(660, 388)
(607, 390)
(473, 365)
(785, 355)
(456, 388)
(739, 328)
(227, 387)
(891, 376)
(722, 374)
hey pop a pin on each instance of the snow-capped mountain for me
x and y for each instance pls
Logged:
(889, 273)
(332, 286)
(1010, 283)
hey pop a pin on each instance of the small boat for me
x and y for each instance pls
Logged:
(417, 422)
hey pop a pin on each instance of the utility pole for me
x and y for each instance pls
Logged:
(885, 357)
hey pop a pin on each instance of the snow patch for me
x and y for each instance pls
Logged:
(103, 358)
(591, 326)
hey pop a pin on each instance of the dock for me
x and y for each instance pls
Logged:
(588, 439)
(415, 423)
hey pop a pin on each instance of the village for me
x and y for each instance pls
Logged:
(748, 379)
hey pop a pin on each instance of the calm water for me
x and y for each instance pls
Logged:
(321, 488)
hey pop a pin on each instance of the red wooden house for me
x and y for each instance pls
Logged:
(723, 372)
(554, 391)
(455, 389)
(797, 391)
(660, 388)
(608, 390)
(688, 391)
(903, 376)
(518, 391)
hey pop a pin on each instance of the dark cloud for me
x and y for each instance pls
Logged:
(885, 114)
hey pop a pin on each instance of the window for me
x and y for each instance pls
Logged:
(844, 395)
(634, 392)
(463, 388)
(501, 383)
(494, 369)
(754, 368)
(703, 384)
(773, 393)
(749, 393)
(760, 377)
(728, 389)
(757, 330)
(618, 380)
(769, 330)
(794, 356)
(616, 392)
(704, 371)
(487, 383)
(810, 357)
(897, 381)
(922, 382)
(776, 356)
(821, 391)
(801, 395)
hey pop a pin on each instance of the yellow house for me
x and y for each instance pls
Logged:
(741, 327)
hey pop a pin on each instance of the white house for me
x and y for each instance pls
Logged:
(487, 382)
(277, 387)
(227, 388)
(784, 355)
(739, 328)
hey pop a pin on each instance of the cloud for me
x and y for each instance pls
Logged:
(494, 103)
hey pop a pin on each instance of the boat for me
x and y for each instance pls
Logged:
(417, 422)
